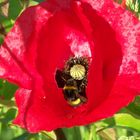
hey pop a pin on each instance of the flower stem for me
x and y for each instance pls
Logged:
(60, 134)
(92, 135)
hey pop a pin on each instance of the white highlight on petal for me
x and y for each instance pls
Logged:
(131, 56)
(96, 4)
(2, 71)
(79, 45)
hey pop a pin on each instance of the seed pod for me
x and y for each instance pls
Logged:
(77, 72)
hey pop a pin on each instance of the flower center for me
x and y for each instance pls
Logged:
(73, 80)
(77, 72)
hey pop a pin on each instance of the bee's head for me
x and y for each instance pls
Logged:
(71, 82)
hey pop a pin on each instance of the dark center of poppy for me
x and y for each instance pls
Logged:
(73, 80)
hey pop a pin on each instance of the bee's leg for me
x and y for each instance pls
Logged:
(82, 88)
(82, 98)
(83, 83)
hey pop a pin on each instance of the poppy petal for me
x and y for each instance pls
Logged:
(22, 97)
(57, 30)
(127, 31)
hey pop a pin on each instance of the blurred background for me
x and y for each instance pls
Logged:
(124, 125)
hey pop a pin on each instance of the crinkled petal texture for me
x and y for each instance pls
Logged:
(45, 36)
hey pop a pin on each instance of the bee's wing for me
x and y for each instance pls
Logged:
(61, 78)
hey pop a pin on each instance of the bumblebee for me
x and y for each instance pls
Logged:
(73, 80)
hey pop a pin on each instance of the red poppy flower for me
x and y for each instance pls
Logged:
(37, 51)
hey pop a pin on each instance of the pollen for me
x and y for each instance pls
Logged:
(77, 72)
(75, 103)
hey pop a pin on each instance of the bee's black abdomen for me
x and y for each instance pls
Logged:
(70, 94)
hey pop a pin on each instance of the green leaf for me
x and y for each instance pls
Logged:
(6, 132)
(1, 40)
(7, 24)
(109, 122)
(7, 89)
(38, 0)
(47, 135)
(7, 115)
(84, 132)
(127, 121)
(15, 8)
(72, 133)
(2, 18)
(32, 2)
(134, 107)
(10, 115)
(24, 136)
